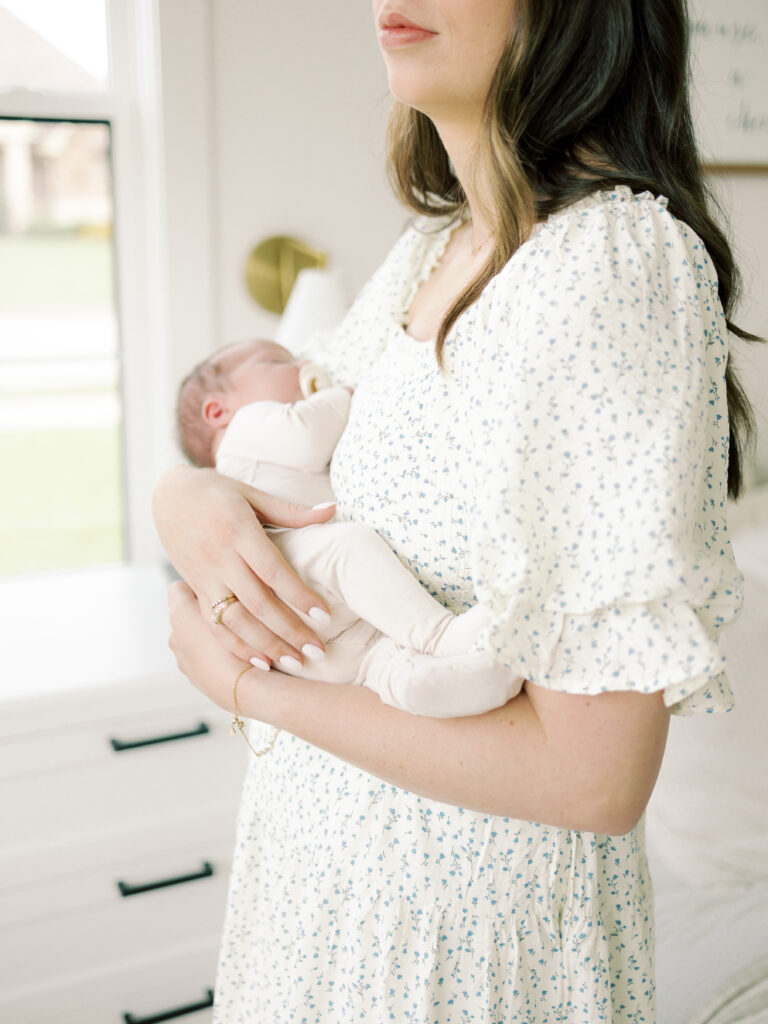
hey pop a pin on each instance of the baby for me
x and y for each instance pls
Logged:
(258, 414)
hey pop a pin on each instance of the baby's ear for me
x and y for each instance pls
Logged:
(216, 413)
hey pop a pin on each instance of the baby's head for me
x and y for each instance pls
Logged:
(209, 396)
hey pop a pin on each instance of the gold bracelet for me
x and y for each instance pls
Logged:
(238, 723)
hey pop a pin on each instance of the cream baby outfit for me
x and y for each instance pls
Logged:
(284, 449)
(568, 469)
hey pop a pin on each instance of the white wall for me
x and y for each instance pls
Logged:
(185, 31)
(299, 108)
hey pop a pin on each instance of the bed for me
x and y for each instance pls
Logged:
(707, 824)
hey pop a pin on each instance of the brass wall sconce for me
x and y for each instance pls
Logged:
(273, 266)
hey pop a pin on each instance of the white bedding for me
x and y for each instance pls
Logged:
(707, 827)
(742, 1001)
(711, 951)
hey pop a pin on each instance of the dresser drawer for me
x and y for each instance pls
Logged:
(109, 929)
(195, 1007)
(109, 885)
(52, 712)
(85, 727)
(85, 804)
(144, 986)
(80, 814)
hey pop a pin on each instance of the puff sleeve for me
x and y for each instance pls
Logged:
(600, 444)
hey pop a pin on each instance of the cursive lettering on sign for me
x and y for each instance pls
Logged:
(730, 69)
(735, 32)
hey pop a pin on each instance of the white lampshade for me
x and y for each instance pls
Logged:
(317, 302)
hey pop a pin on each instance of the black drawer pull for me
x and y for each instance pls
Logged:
(119, 745)
(180, 1011)
(126, 889)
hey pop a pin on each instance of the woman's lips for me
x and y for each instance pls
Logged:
(395, 31)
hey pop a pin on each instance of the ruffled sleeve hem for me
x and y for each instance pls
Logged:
(643, 648)
(702, 694)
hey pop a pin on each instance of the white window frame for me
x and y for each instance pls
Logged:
(158, 107)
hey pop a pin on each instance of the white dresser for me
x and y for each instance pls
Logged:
(118, 798)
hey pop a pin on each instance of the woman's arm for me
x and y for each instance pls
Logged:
(576, 762)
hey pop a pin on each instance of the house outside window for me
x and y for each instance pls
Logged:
(60, 401)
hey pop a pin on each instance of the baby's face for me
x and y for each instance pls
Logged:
(259, 371)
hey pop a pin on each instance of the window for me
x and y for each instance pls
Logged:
(84, 335)
(104, 109)
(53, 46)
(60, 406)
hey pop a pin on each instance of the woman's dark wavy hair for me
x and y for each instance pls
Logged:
(588, 94)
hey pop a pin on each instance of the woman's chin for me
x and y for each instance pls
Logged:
(411, 87)
(440, 107)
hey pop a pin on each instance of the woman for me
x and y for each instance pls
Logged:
(540, 423)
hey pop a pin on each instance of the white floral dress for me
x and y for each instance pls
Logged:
(568, 470)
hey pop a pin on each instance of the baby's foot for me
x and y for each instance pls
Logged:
(461, 632)
(449, 687)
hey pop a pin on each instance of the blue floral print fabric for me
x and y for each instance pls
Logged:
(566, 468)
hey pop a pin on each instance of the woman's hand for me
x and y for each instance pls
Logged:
(199, 654)
(211, 528)
(205, 662)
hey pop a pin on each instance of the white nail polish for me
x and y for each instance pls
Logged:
(319, 615)
(293, 664)
(325, 504)
(312, 652)
(260, 663)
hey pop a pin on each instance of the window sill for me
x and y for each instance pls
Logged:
(84, 628)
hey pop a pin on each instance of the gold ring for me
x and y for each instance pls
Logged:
(219, 607)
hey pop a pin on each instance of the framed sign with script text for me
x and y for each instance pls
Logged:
(730, 77)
